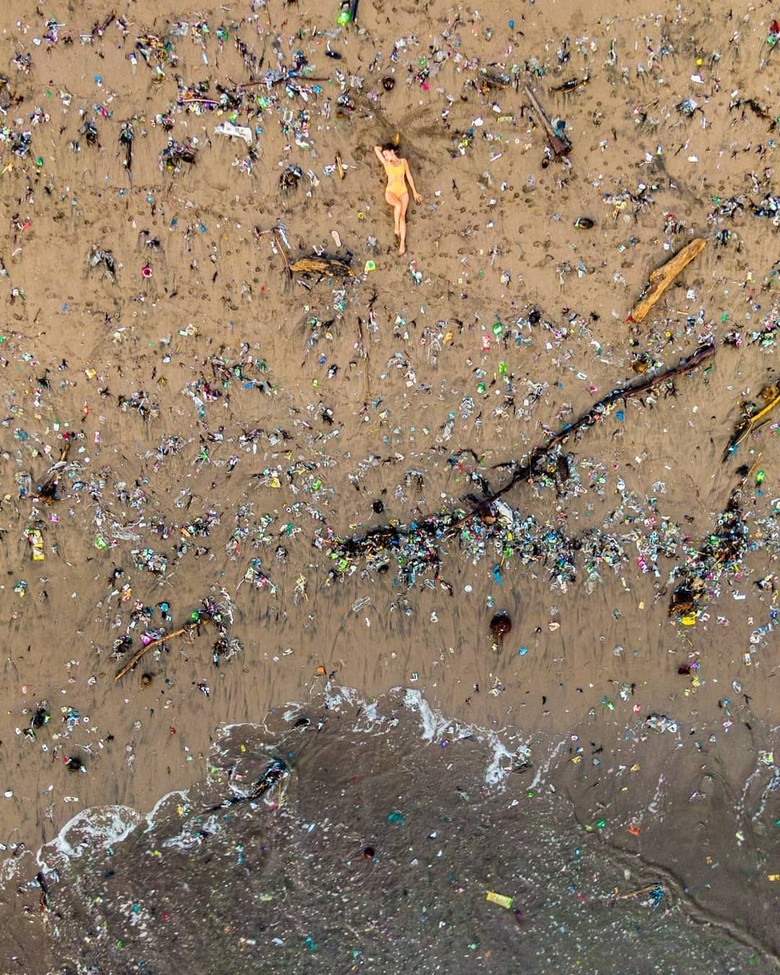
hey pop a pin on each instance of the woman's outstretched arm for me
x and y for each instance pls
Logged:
(408, 172)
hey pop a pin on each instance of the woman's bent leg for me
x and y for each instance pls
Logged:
(397, 206)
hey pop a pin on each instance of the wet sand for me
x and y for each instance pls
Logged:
(216, 411)
(380, 849)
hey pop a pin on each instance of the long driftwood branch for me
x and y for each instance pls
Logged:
(595, 414)
(447, 525)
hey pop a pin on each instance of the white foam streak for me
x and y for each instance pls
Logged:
(101, 827)
(91, 830)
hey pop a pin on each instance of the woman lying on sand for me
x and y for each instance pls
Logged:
(396, 193)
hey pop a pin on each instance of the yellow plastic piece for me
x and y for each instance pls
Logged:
(501, 899)
(37, 546)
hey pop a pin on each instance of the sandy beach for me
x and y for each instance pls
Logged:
(301, 474)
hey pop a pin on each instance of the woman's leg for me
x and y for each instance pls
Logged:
(396, 204)
(402, 223)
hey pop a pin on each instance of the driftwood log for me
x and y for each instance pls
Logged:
(662, 277)
(322, 265)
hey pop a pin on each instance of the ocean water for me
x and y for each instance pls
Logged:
(356, 836)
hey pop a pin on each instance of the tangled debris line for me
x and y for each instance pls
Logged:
(721, 551)
(416, 547)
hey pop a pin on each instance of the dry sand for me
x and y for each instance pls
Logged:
(366, 390)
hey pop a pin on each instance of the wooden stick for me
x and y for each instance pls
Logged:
(760, 418)
(142, 651)
(662, 277)
(752, 423)
(53, 475)
(636, 893)
(560, 146)
(280, 245)
(263, 81)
